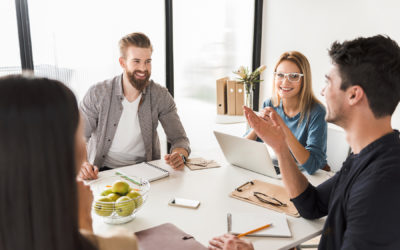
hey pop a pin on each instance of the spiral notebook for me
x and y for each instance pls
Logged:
(147, 170)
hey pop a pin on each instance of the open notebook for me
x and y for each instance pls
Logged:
(243, 222)
(150, 171)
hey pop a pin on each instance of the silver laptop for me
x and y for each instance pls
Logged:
(247, 154)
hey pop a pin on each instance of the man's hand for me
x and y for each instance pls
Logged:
(268, 130)
(88, 171)
(266, 114)
(85, 199)
(174, 160)
(229, 242)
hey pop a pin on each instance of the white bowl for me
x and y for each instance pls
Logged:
(118, 212)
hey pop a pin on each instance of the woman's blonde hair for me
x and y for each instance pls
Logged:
(307, 97)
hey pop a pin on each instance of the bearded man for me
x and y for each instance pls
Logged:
(121, 115)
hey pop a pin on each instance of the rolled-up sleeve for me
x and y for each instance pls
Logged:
(313, 202)
(172, 124)
(316, 142)
(90, 111)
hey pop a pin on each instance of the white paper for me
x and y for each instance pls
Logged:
(244, 222)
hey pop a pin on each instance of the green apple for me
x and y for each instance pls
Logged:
(113, 196)
(104, 206)
(106, 192)
(124, 206)
(137, 197)
(120, 187)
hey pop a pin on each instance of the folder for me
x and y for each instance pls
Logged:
(231, 96)
(221, 95)
(167, 237)
(239, 98)
(246, 191)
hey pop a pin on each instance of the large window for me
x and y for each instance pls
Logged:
(10, 62)
(77, 41)
(211, 39)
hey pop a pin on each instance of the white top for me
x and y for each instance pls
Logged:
(127, 147)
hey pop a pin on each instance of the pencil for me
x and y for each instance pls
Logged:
(254, 230)
(127, 178)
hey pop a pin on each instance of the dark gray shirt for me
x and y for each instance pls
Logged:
(361, 200)
(102, 108)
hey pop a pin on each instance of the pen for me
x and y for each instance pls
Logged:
(229, 220)
(254, 230)
(127, 178)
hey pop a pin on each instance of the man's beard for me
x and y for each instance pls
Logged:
(138, 84)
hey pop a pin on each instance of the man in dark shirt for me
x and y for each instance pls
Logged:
(361, 200)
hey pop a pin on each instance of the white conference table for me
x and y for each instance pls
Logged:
(212, 188)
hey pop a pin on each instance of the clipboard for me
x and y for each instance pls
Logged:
(266, 195)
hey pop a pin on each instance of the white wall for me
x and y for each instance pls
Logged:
(310, 26)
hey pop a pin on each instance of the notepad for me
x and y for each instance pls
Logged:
(146, 170)
(244, 222)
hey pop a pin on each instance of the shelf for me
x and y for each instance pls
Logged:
(229, 119)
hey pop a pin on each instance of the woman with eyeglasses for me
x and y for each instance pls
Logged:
(42, 205)
(302, 116)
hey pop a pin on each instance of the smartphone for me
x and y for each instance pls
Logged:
(180, 202)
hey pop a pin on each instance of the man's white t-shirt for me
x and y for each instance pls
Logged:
(127, 147)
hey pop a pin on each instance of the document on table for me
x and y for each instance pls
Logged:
(146, 170)
(150, 171)
(243, 222)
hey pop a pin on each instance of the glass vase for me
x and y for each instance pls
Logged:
(248, 95)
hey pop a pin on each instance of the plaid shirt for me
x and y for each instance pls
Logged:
(102, 108)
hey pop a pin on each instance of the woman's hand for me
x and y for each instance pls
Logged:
(229, 242)
(85, 199)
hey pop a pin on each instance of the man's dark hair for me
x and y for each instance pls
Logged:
(372, 63)
(38, 195)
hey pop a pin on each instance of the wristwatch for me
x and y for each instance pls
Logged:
(183, 158)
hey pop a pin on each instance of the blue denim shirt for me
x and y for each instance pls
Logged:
(311, 133)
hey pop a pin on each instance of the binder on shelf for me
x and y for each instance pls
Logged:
(221, 95)
(231, 96)
(239, 98)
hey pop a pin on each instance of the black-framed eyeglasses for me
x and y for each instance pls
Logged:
(240, 189)
(292, 77)
(269, 200)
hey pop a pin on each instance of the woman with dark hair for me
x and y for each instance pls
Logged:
(41, 142)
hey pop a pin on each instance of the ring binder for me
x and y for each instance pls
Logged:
(155, 166)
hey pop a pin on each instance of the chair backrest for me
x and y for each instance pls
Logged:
(337, 148)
